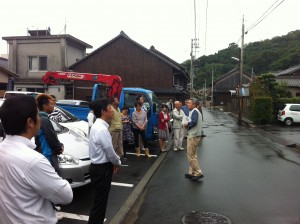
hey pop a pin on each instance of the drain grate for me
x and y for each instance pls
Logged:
(197, 217)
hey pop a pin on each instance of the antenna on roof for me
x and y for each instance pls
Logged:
(65, 28)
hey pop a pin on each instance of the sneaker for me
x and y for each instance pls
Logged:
(175, 149)
(181, 148)
(59, 216)
(188, 175)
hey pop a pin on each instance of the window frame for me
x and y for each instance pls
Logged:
(40, 64)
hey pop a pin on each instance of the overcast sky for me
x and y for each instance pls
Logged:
(168, 25)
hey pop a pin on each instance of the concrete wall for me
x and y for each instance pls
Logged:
(73, 54)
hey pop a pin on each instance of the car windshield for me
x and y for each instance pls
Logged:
(58, 128)
(66, 115)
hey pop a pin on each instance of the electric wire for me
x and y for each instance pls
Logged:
(263, 14)
(206, 21)
(262, 18)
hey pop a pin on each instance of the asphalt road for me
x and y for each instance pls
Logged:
(245, 179)
(124, 183)
(248, 178)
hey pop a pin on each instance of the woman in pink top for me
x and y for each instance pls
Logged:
(163, 128)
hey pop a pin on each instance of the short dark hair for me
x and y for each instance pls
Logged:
(136, 103)
(43, 99)
(15, 111)
(91, 105)
(125, 107)
(138, 97)
(99, 106)
(112, 100)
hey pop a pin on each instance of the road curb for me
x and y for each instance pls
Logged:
(137, 192)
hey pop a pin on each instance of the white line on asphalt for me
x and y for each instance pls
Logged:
(121, 184)
(131, 153)
(75, 216)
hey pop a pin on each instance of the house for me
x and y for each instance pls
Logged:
(136, 65)
(291, 77)
(32, 55)
(7, 77)
(224, 89)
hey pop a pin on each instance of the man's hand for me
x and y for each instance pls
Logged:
(116, 168)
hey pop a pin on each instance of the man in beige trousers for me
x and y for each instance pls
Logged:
(116, 128)
(194, 126)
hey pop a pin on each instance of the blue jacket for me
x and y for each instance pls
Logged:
(46, 140)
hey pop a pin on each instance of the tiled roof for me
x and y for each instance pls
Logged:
(290, 81)
(152, 51)
(289, 71)
(4, 63)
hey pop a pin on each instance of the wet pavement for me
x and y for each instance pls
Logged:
(248, 178)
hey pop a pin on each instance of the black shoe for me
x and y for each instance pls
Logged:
(188, 175)
(203, 135)
(196, 178)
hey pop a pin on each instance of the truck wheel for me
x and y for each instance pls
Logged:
(288, 121)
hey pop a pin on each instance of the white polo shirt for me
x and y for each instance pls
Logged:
(28, 184)
(101, 149)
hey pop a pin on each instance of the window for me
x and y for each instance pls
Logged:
(69, 91)
(295, 108)
(37, 63)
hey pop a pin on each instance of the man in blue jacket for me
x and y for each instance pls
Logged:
(46, 140)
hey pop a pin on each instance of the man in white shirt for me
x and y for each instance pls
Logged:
(28, 183)
(104, 160)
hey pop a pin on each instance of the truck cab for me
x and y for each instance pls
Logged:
(128, 97)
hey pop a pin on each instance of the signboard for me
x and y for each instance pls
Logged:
(244, 91)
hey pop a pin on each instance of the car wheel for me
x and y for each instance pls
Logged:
(288, 121)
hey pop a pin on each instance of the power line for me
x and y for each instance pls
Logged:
(206, 20)
(264, 15)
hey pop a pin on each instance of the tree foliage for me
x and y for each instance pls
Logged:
(266, 56)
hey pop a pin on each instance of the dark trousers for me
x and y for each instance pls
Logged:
(138, 132)
(101, 176)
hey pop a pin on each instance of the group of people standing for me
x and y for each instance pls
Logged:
(126, 131)
(187, 122)
(31, 184)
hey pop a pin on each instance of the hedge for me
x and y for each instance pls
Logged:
(261, 110)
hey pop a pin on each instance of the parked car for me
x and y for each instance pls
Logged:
(72, 122)
(73, 102)
(289, 114)
(74, 162)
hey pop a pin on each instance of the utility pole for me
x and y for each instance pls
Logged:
(212, 88)
(204, 100)
(194, 46)
(241, 75)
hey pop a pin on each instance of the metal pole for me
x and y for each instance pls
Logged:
(241, 76)
(191, 72)
(212, 87)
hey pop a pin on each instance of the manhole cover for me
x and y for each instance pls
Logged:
(198, 217)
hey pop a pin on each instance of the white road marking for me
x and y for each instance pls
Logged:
(75, 216)
(131, 153)
(121, 184)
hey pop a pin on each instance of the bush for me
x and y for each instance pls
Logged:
(262, 110)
